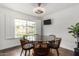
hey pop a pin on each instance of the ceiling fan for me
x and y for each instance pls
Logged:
(39, 9)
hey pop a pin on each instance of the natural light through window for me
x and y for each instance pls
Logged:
(23, 27)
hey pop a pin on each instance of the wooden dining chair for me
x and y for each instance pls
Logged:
(25, 46)
(55, 44)
(52, 37)
(41, 49)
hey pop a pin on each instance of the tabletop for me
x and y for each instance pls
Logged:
(40, 38)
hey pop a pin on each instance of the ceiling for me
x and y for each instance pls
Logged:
(27, 8)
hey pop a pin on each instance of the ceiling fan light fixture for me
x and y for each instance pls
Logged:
(39, 10)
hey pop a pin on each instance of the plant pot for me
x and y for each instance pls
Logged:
(78, 34)
(77, 44)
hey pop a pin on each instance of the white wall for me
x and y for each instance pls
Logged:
(60, 22)
(7, 17)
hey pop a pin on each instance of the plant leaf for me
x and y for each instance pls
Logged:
(72, 26)
(77, 24)
(70, 31)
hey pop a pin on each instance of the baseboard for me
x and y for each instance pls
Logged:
(67, 48)
(10, 48)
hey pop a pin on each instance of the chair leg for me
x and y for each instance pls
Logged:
(29, 52)
(57, 52)
(21, 52)
(25, 52)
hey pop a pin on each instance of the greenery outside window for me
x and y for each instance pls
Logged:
(24, 27)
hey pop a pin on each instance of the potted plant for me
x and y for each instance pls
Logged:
(74, 29)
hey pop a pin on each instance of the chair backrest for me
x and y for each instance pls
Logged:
(52, 37)
(23, 42)
(25, 36)
(57, 42)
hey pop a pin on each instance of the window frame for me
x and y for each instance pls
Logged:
(25, 29)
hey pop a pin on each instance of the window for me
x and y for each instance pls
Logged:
(23, 27)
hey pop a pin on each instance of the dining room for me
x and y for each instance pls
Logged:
(39, 29)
